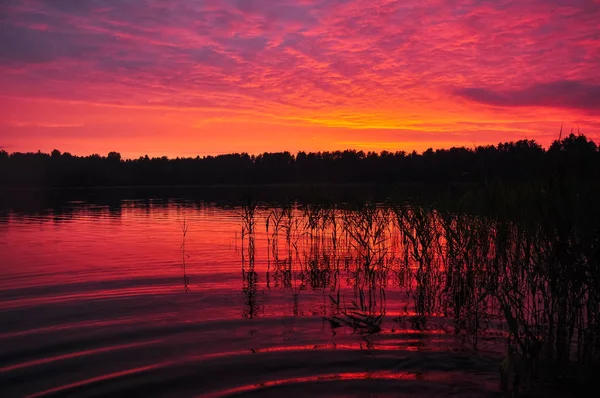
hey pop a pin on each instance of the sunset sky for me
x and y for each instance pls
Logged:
(182, 78)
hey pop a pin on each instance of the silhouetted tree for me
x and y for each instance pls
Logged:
(575, 156)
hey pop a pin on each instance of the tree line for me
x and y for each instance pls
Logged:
(524, 160)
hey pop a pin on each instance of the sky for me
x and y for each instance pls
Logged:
(194, 77)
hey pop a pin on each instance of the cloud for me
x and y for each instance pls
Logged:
(559, 94)
(359, 63)
(23, 46)
(44, 125)
(304, 54)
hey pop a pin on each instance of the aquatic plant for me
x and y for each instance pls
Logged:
(519, 261)
(184, 256)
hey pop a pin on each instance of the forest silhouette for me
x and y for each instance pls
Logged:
(574, 155)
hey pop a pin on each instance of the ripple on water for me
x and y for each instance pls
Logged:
(294, 371)
(97, 308)
(176, 359)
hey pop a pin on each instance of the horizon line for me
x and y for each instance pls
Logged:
(295, 153)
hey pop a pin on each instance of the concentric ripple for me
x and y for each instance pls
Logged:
(95, 304)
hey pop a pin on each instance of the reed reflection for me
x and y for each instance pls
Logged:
(252, 308)
(466, 275)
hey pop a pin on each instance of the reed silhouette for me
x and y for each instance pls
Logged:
(184, 229)
(524, 266)
(252, 308)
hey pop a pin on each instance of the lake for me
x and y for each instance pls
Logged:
(185, 298)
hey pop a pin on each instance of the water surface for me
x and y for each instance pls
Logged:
(174, 298)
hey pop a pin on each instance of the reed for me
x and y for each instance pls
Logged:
(184, 255)
(521, 262)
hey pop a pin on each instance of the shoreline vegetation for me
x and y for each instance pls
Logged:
(511, 162)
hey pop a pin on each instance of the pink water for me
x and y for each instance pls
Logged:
(93, 302)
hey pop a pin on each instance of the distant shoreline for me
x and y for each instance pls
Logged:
(243, 186)
(514, 163)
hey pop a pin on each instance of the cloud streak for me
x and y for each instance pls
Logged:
(561, 94)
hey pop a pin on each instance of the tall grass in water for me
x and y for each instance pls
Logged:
(252, 307)
(420, 234)
(530, 262)
(184, 256)
(520, 262)
(554, 300)
(366, 237)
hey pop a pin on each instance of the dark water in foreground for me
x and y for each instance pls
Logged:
(94, 302)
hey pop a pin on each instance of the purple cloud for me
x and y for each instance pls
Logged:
(29, 46)
(559, 94)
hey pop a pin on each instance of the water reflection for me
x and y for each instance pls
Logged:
(333, 300)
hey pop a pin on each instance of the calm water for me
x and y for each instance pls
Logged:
(96, 301)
